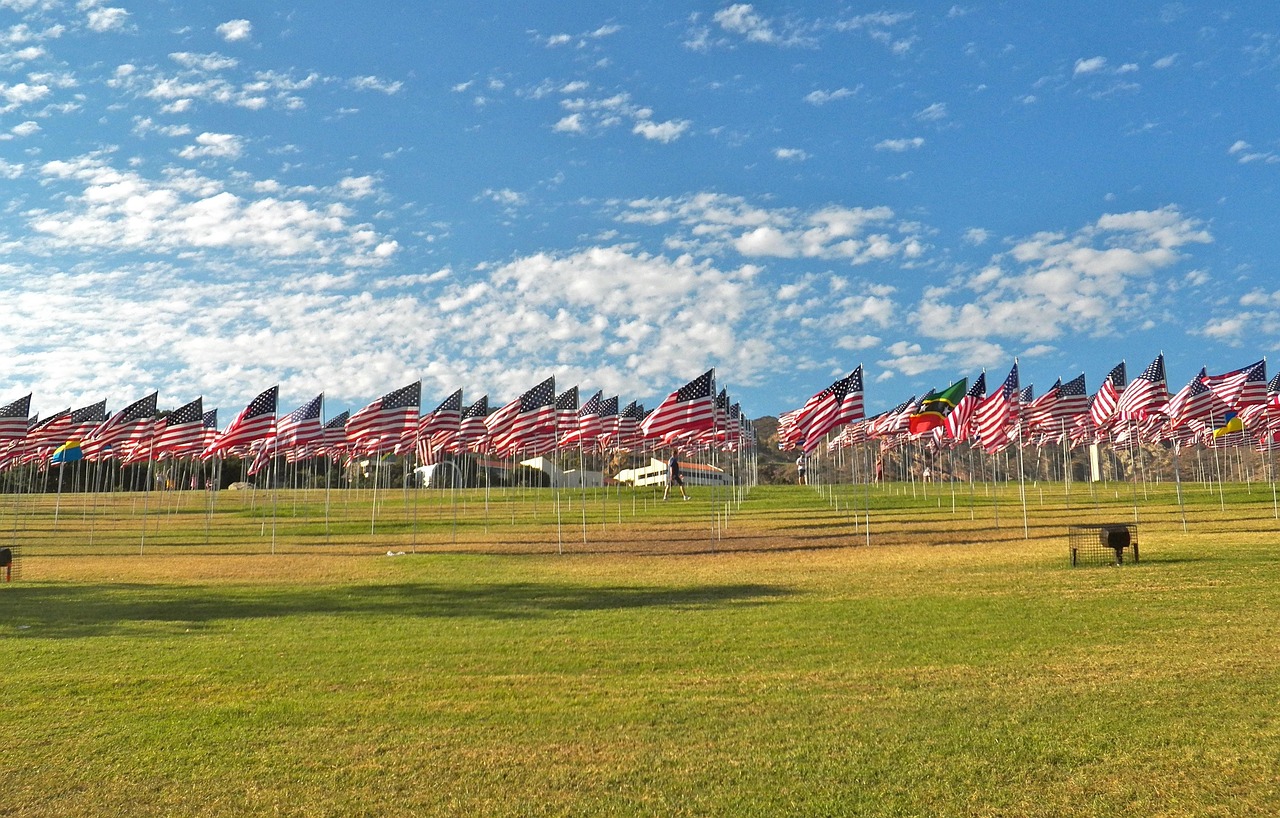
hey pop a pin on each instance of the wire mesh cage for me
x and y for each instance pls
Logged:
(10, 564)
(1102, 543)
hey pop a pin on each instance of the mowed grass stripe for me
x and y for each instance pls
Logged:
(950, 669)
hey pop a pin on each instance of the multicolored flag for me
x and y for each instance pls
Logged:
(935, 407)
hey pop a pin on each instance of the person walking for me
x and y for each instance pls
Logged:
(801, 466)
(675, 477)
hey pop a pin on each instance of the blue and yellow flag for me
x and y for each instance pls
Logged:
(68, 452)
(1231, 424)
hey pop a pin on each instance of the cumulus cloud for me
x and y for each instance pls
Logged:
(664, 132)
(719, 224)
(589, 115)
(102, 19)
(234, 31)
(1051, 283)
(214, 145)
(182, 212)
(790, 154)
(1091, 65)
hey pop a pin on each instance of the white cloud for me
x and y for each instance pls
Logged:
(1051, 283)
(204, 62)
(19, 94)
(900, 145)
(932, 113)
(234, 31)
(1089, 66)
(358, 187)
(741, 18)
(570, 124)
(823, 97)
(214, 145)
(790, 154)
(664, 132)
(25, 128)
(106, 209)
(376, 84)
(1165, 62)
(106, 19)
(1245, 154)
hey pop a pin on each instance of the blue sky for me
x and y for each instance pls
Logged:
(207, 199)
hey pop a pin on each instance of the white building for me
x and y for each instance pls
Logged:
(655, 474)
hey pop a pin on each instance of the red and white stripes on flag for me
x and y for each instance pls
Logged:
(181, 431)
(1146, 394)
(13, 419)
(527, 418)
(837, 405)
(689, 410)
(302, 426)
(994, 415)
(958, 425)
(125, 429)
(1103, 407)
(256, 421)
(438, 428)
(1240, 388)
(585, 430)
(382, 424)
(473, 436)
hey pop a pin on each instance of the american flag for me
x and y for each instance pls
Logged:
(1038, 414)
(50, 432)
(210, 424)
(126, 428)
(438, 428)
(381, 425)
(1195, 401)
(896, 421)
(833, 409)
(958, 424)
(472, 433)
(609, 421)
(993, 417)
(1145, 394)
(181, 431)
(1073, 399)
(1241, 388)
(629, 426)
(586, 429)
(302, 426)
(524, 419)
(1103, 407)
(255, 421)
(13, 419)
(333, 437)
(690, 409)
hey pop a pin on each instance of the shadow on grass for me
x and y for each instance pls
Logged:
(71, 611)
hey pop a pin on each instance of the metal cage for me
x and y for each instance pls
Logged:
(1102, 543)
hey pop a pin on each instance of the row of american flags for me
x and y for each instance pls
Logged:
(542, 420)
(1234, 408)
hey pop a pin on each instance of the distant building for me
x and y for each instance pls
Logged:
(572, 479)
(655, 474)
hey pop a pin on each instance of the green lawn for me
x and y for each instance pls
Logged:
(766, 663)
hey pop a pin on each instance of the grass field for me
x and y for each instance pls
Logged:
(777, 656)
